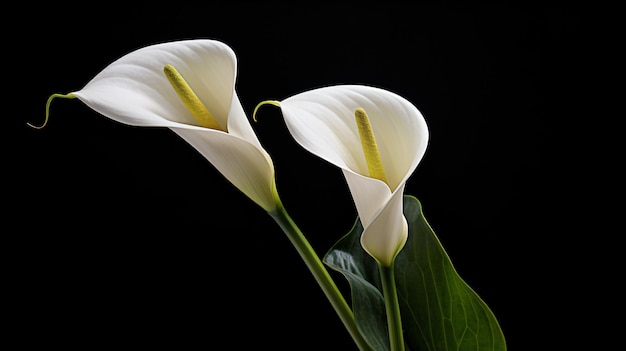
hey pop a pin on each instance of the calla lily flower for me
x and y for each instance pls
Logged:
(328, 122)
(189, 87)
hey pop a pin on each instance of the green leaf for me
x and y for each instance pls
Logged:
(348, 257)
(439, 310)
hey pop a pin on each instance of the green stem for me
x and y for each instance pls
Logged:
(394, 320)
(323, 278)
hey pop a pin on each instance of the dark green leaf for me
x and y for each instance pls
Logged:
(440, 311)
(348, 257)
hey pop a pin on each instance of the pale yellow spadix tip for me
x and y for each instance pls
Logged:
(190, 99)
(370, 148)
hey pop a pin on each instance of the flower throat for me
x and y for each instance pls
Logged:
(190, 99)
(370, 148)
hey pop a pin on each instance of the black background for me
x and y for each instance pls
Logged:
(127, 236)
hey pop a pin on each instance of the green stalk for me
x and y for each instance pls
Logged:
(323, 278)
(394, 320)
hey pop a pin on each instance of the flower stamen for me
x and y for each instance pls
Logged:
(190, 99)
(370, 148)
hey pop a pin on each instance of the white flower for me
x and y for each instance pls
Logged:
(189, 87)
(323, 122)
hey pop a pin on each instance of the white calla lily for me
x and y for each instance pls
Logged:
(189, 87)
(323, 122)
(164, 85)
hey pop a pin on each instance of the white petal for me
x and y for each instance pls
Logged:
(134, 90)
(322, 121)
(248, 167)
(381, 214)
(370, 195)
(239, 124)
(386, 235)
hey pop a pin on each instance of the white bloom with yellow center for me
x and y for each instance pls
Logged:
(189, 87)
(377, 138)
